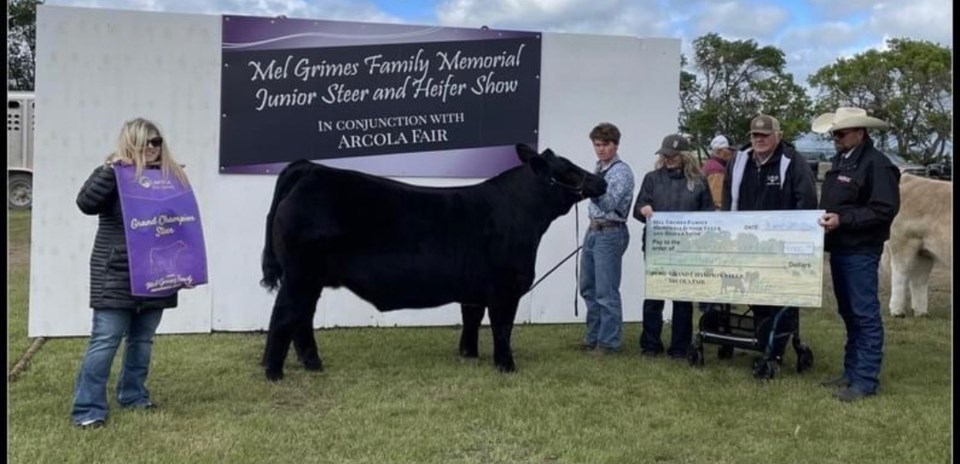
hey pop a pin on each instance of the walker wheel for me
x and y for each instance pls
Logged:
(765, 369)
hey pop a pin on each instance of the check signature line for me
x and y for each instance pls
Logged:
(780, 293)
(717, 265)
(701, 252)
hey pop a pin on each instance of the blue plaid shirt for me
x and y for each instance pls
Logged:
(619, 194)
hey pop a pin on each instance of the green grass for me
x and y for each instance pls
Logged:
(401, 395)
(18, 283)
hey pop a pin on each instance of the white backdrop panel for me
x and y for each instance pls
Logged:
(97, 68)
(586, 79)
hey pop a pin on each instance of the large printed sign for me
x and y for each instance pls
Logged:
(412, 100)
(164, 236)
(743, 257)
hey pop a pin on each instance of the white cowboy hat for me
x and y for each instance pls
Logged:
(846, 118)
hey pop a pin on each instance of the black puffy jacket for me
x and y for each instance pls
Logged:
(864, 191)
(666, 190)
(109, 268)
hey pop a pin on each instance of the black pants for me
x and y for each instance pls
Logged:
(681, 329)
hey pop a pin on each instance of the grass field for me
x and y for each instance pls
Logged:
(401, 395)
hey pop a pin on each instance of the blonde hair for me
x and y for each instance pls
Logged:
(691, 170)
(133, 141)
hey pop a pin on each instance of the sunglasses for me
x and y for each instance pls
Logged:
(155, 142)
(841, 133)
(758, 135)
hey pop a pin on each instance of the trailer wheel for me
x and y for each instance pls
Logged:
(19, 191)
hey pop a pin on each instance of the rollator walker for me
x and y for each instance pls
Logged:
(719, 325)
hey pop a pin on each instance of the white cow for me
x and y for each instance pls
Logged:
(919, 237)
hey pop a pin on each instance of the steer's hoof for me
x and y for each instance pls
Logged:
(899, 315)
(507, 368)
(273, 376)
(469, 354)
(313, 366)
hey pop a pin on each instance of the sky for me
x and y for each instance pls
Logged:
(812, 33)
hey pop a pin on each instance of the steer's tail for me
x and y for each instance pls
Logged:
(272, 271)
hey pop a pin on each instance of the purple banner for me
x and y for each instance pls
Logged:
(164, 235)
(413, 100)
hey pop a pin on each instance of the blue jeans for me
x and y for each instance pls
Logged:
(681, 329)
(600, 269)
(109, 327)
(855, 284)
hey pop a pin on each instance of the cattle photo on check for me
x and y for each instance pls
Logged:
(731, 283)
(401, 246)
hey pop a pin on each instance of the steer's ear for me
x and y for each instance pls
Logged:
(526, 152)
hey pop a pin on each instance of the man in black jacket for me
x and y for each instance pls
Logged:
(861, 196)
(769, 175)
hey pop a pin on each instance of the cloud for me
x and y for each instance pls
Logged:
(611, 17)
(812, 33)
(917, 19)
(739, 20)
(809, 48)
(346, 10)
(920, 19)
(833, 9)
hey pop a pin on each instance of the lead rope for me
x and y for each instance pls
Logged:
(576, 283)
(554, 268)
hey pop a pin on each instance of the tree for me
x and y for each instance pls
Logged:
(734, 81)
(21, 43)
(909, 85)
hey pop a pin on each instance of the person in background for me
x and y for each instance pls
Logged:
(861, 197)
(116, 312)
(604, 244)
(675, 184)
(715, 168)
(769, 175)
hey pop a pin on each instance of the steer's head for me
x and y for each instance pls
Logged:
(560, 173)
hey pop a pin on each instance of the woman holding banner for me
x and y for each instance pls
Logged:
(677, 184)
(118, 310)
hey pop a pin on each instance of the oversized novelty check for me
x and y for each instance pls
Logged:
(741, 257)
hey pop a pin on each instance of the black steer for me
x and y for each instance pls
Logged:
(403, 246)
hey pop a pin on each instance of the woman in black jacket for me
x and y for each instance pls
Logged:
(677, 184)
(116, 312)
